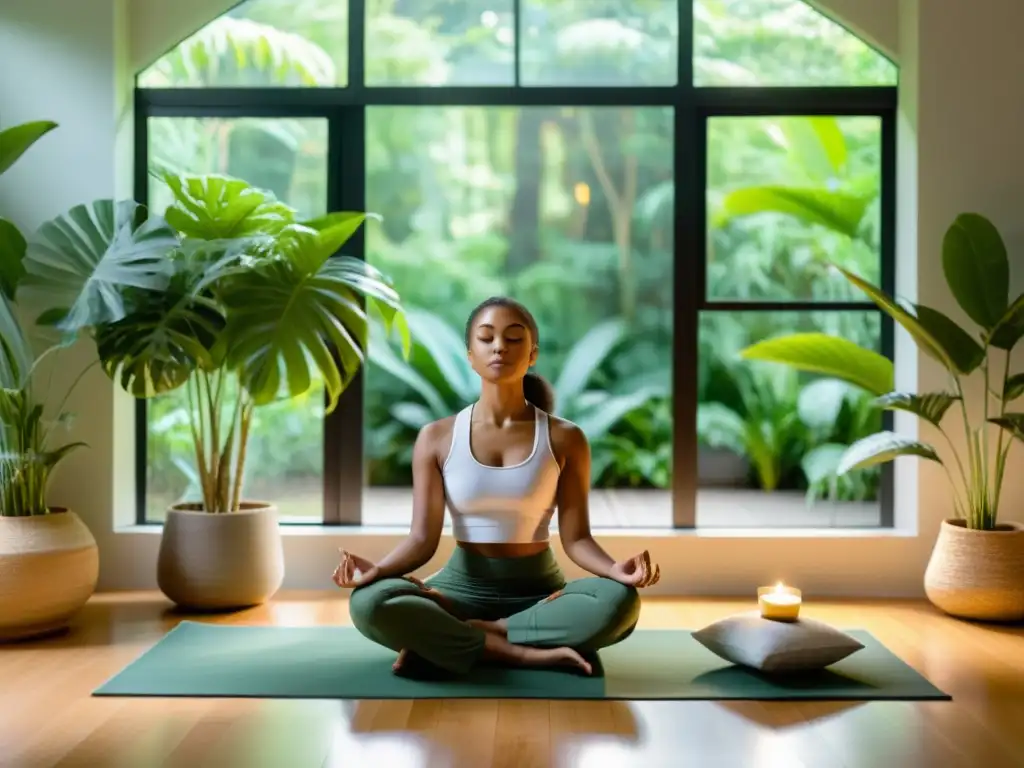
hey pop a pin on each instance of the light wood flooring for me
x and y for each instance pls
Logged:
(48, 718)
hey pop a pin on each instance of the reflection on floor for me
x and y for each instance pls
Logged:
(302, 501)
(49, 718)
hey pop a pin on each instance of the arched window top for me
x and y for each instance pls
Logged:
(261, 43)
(304, 43)
(780, 43)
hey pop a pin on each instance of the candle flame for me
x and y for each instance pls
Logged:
(779, 589)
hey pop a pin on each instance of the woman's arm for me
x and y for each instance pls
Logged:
(428, 503)
(573, 499)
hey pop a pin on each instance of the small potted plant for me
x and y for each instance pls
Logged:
(247, 306)
(977, 566)
(49, 562)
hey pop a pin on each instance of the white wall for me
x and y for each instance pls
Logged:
(959, 131)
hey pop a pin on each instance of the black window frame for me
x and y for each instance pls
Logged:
(344, 108)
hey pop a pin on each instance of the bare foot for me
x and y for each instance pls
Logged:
(556, 657)
(499, 627)
(403, 657)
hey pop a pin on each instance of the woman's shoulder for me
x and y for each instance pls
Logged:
(440, 429)
(567, 439)
(435, 437)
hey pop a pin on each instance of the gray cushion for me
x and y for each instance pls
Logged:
(776, 646)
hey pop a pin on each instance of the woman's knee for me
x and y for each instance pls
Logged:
(617, 604)
(623, 601)
(366, 604)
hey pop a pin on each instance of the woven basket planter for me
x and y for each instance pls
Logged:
(978, 574)
(216, 562)
(49, 565)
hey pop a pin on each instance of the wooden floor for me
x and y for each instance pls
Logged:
(47, 716)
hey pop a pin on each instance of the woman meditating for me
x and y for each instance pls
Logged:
(501, 466)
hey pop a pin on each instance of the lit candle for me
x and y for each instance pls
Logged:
(779, 603)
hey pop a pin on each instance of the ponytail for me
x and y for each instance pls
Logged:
(539, 392)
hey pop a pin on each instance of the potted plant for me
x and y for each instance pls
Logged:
(49, 562)
(245, 307)
(976, 568)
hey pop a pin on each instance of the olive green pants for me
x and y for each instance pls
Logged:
(587, 614)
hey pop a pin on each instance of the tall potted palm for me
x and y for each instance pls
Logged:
(49, 562)
(245, 309)
(977, 566)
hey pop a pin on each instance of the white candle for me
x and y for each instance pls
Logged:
(779, 603)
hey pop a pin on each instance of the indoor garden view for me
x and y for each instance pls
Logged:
(662, 188)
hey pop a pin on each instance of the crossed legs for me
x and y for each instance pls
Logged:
(586, 615)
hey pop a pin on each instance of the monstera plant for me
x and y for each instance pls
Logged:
(233, 296)
(970, 574)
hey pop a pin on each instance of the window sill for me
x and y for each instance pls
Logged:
(301, 531)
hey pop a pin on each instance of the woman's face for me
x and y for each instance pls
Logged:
(501, 348)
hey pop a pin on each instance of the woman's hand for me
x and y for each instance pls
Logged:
(354, 571)
(431, 593)
(636, 571)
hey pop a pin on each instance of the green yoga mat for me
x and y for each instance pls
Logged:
(209, 660)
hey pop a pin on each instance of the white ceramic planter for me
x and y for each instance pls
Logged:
(221, 561)
(49, 566)
(978, 574)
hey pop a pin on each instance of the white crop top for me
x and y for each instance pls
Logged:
(500, 505)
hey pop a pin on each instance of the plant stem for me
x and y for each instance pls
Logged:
(1000, 453)
(195, 421)
(214, 417)
(972, 485)
(243, 442)
(983, 437)
(963, 475)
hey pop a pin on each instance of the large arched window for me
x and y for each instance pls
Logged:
(662, 181)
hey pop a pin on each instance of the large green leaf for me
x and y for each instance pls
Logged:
(817, 144)
(336, 229)
(838, 211)
(15, 352)
(830, 355)
(820, 463)
(820, 402)
(16, 140)
(599, 418)
(413, 415)
(1014, 387)
(721, 427)
(85, 259)
(167, 337)
(1012, 423)
(12, 257)
(977, 268)
(214, 207)
(284, 320)
(882, 447)
(586, 356)
(962, 349)
(448, 351)
(1010, 328)
(383, 357)
(928, 344)
(369, 282)
(931, 407)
